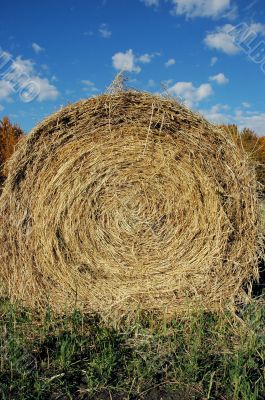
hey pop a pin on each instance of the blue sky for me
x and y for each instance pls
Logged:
(69, 50)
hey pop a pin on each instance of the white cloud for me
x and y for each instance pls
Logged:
(125, 61)
(145, 58)
(1, 107)
(246, 104)
(201, 8)
(128, 61)
(5, 90)
(47, 90)
(257, 28)
(104, 31)
(219, 114)
(213, 61)
(37, 48)
(21, 72)
(215, 114)
(87, 82)
(245, 32)
(221, 79)
(255, 121)
(189, 93)
(203, 91)
(150, 3)
(170, 62)
(89, 86)
(221, 40)
(21, 65)
(232, 13)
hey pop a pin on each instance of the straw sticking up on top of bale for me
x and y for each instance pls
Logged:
(128, 201)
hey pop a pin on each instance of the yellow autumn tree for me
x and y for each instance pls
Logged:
(9, 136)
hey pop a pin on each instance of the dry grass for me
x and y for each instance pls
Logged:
(128, 201)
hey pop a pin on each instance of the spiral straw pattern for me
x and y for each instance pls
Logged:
(128, 201)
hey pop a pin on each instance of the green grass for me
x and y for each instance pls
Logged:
(78, 357)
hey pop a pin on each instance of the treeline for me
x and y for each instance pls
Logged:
(9, 136)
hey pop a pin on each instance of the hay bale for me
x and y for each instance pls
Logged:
(128, 201)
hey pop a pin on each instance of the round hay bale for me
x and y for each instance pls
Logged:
(128, 201)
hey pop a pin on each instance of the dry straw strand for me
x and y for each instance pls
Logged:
(96, 213)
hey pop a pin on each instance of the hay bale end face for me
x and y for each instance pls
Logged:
(128, 201)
